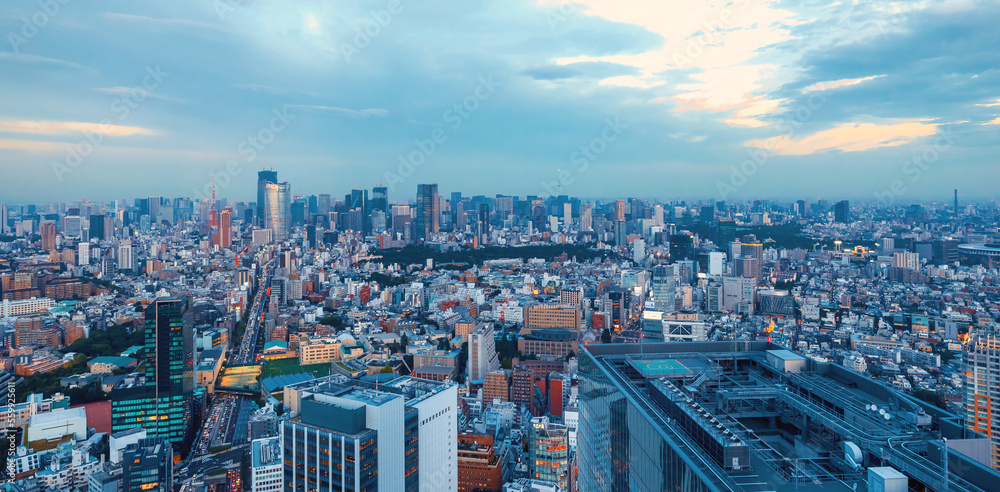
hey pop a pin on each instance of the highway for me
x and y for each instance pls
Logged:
(227, 419)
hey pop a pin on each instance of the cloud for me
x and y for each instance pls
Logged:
(833, 84)
(311, 24)
(992, 122)
(716, 46)
(276, 91)
(363, 113)
(26, 59)
(119, 90)
(849, 137)
(166, 22)
(68, 127)
(33, 145)
(996, 102)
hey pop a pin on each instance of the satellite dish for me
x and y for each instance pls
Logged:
(868, 407)
(874, 408)
(881, 411)
(888, 416)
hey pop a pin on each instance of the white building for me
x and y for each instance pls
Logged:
(56, 424)
(83, 254)
(266, 472)
(34, 305)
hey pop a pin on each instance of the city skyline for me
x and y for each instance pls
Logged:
(669, 108)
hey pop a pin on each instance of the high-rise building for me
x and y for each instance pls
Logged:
(97, 227)
(3, 219)
(148, 465)
(223, 238)
(373, 433)
(83, 253)
(842, 211)
(483, 357)
(548, 450)
(73, 227)
(483, 223)
(380, 199)
(161, 399)
(982, 391)
(664, 288)
(643, 429)
(522, 388)
(619, 210)
(428, 210)
(263, 177)
(497, 385)
(586, 217)
(48, 232)
(278, 209)
(125, 261)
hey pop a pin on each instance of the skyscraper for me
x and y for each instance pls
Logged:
(48, 232)
(664, 288)
(483, 224)
(3, 218)
(380, 199)
(586, 217)
(224, 237)
(161, 400)
(73, 227)
(83, 253)
(619, 210)
(428, 210)
(278, 209)
(125, 256)
(263, 177)
(982, 391)
(842, 211)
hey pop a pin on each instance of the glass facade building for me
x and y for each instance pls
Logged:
(278, 209)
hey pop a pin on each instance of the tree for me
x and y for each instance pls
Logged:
(443, 344)
(570, 355)
(606, 336)
(403, 342)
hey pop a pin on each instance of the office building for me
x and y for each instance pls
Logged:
(664, 288)
(266, 465)
(125, 261)
(842, 211)
(480, 469)
(264, 177)
(48, 233)
(647, 407)
(483, 357)
(551, 316)
(73, 227)
(83, 254)
(376, 432)
(148, 465)
(278, 209)
(4, 219)
(548, 451)
(223, 237)
(161, 399)
(982, 391)
(428, 210)
(496, 387)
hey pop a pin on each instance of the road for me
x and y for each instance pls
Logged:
(226, 422)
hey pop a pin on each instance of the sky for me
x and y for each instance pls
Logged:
(665, 99)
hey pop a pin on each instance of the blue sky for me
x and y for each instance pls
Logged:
(668, 99)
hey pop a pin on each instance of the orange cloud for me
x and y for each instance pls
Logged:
(63, 127)
(849, 137)
(833, 84)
